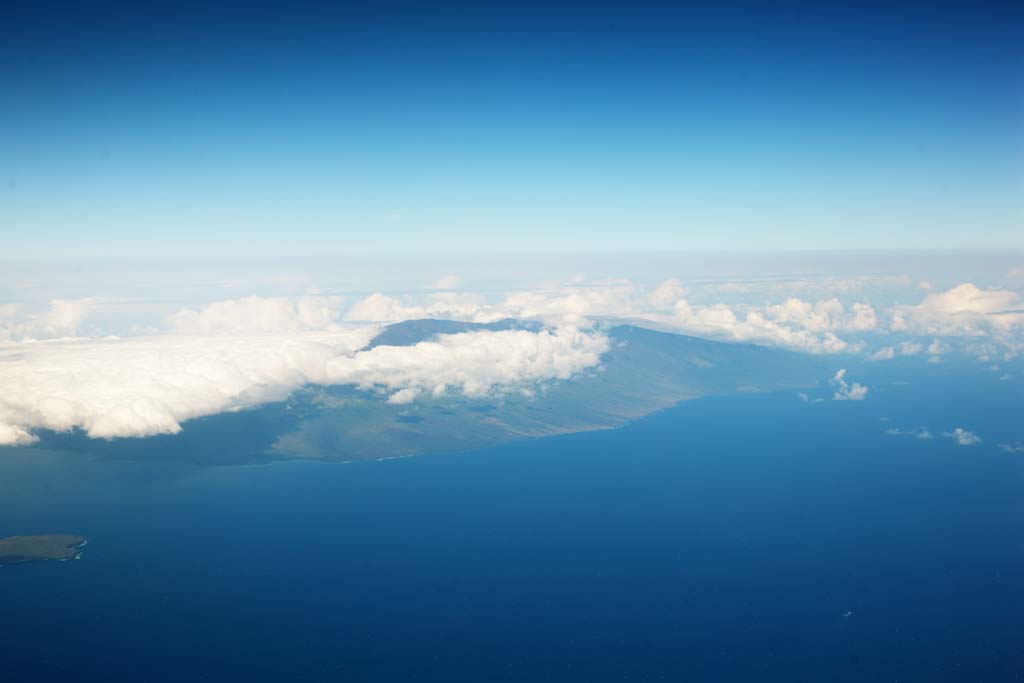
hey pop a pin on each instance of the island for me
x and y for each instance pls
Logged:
(643, 371)
(58, 547)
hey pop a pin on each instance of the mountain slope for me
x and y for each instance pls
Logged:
(643, 372)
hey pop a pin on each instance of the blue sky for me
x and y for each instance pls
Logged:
(252, 131)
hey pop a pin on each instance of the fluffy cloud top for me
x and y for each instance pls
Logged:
(965, 310)
(844, 391)
(474, 363)
(149, 385)
(795, 324)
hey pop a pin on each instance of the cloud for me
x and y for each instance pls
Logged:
(61, 318)
(148, 385)
(379, 307)
(473, 363)
(139, 386)
(447, 282)
(667, 293)
(966, 311)
(885, 353)
(1017, 447)
(935, 351)
(845, 391)
(823, 316)
(963, 437)
(909, 348)
(920, 433)
(906, 348)
(254, 314)
(572, 305)
(794, 323)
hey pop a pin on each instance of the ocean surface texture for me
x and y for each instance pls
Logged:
(746, 538)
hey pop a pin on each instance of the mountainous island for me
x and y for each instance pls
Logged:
(644, 371)
(58, 547)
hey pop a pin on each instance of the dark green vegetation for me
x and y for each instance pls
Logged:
(643, 372)
(19, 549)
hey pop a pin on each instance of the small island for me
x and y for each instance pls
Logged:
(58, 547)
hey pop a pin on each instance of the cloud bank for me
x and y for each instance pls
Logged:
(240, 353)
(991, 321)
(966, 311)
(796, 324)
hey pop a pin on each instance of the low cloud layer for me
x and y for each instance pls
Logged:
(794, 323)
(199, 360)
(149, 385)
(990, 322)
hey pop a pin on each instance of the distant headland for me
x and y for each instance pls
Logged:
(58, 547)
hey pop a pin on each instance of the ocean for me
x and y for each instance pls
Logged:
(742, 538)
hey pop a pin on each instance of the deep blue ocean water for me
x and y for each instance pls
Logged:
(749, 538)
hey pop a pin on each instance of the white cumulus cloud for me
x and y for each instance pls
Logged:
(885, 353)
(963, 437)
(966, 311)
(473, 363)
(845, 391)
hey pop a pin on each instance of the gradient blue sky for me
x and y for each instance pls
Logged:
(257, 131)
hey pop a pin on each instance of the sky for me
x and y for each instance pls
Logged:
(202, 210)
(133, 132)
